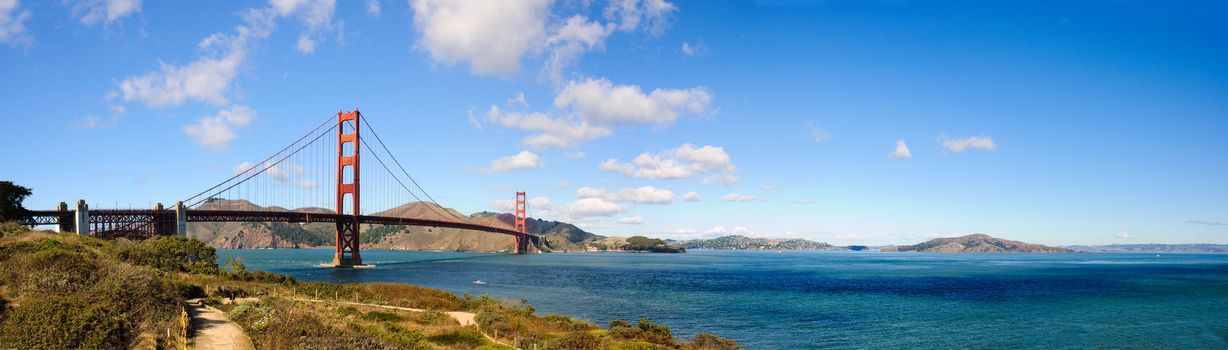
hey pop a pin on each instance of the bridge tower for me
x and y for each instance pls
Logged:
(347, 253)
(522, 239)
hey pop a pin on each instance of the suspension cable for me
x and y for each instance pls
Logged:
(398, 163)
(309, 133)
(262, 170)
(399, 182)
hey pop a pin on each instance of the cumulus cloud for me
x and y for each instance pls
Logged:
(631, 220)
(734, 197)
(719, 230)
(901, 150)
(91, 12)
(488, 35)
(603, 102)
(817, 133)
(691, 197)
(652, 16)
(520, 161)
(572, 39)
(683, 162)
(209, 77)
(1122, 235)
(217, 132)
(967, 143)
(549, 132)
(593, 207)
(640, 195)
(13, 23)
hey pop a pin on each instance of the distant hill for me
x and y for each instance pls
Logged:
(1153, 248)
(560, 236)
(976, 243)
(749, 243)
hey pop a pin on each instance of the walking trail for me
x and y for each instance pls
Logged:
(464, 318)
(214, 330)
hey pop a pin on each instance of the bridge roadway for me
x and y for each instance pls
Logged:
(124, 217)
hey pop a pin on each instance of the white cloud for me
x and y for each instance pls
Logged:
(632, 220)
(650, 15)
(518, 100)
(373, 8)
(601, 101)
(683, 162)
(520, 161)
(488, 35)
(901, 150)
(734, 197)
(13, 23)
(967, 143)
(209, 77)
(572, 39)
(1122, 235)
(719, 230)
(305, 44)
(640, 195)
(768, 185)
(691, 197)
(817, 133)
(217, 132)
(742, 231)
(593, 207)
(698, 49)
(91, 12)
(316, 17)
(575, 155)
(551, 132)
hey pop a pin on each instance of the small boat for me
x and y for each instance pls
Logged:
(479, 282)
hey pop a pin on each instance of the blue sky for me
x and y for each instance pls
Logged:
(1065, 122)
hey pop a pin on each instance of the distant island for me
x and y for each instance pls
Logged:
(1153, 248)
(976, 243)
(738, 242)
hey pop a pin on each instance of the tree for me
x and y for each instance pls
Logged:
(11, 196)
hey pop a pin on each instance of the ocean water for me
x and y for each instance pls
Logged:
(820, 300)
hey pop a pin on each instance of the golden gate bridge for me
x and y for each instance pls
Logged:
(288, 187)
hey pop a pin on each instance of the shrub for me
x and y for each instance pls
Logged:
(581, 340)
(709, 341)
(169, 253)
(53, 272)
(380, 316)
(468, 337)
(12, 228)
(189, 290)
(57, 322)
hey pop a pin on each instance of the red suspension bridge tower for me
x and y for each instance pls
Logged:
(522, 206)
(347, 253)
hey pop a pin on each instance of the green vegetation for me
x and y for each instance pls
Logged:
(297, 234)
(67, 291)
(377, 233)
(11, 196)
(641, 243)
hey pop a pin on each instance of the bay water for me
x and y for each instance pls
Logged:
(837, 300)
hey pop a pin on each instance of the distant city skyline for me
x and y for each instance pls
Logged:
(845, 122)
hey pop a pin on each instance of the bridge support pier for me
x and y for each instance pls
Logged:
(82, 223)
(65, 224)
(181, 219)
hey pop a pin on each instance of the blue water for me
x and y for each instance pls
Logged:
(796, 300)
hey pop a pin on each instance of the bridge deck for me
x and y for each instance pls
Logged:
(54, 217)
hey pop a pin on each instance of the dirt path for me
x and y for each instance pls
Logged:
(464, 318)
(214, 330)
